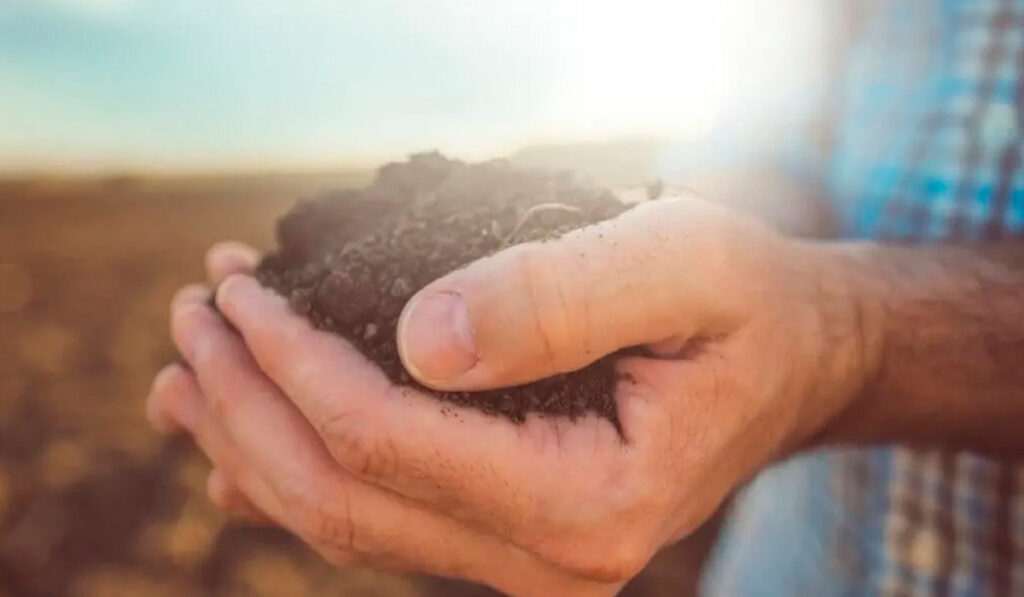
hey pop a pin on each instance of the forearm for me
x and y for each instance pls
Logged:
(941, 332)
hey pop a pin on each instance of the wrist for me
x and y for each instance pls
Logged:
(849, 304)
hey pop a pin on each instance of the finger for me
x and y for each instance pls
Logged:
(179, 403)
(272, 332)
(227, 380)
(177, 400)
(165, 388)
(328, 507)
(539, 309)
(229, 257)
(190, 293)
(478, 468)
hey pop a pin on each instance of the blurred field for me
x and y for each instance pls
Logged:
(92, 503)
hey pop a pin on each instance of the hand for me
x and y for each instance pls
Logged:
(271, 466)
(755, 346)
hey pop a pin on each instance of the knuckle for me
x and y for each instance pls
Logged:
(326, 524)
(620, 561)
(613, 543)
(369, 456)
(222, 404)
(544, 281)
(358, 446)
(327, 533)
(604, 559)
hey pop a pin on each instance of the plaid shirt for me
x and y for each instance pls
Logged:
(927, 142)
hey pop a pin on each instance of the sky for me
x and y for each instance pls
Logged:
(94, 85)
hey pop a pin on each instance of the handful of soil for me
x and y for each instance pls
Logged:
(350, 260)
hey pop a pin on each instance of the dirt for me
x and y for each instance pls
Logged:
(349, 261)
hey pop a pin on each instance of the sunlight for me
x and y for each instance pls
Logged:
(643, 67)
(319, 82)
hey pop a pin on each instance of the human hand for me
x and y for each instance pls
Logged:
(271, 467)
(754, 349)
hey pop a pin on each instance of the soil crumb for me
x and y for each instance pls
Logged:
(349, 260)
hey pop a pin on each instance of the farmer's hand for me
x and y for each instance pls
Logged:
(754, 348)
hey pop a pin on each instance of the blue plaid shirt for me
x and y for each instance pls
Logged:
(926, 145)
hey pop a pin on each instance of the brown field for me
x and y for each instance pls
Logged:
(92, 502)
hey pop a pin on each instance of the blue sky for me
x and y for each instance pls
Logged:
(208, 84)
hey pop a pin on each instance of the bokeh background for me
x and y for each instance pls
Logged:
(135, 133)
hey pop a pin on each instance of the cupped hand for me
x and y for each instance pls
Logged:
(754, 346)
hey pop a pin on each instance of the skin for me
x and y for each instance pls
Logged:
(761, 345)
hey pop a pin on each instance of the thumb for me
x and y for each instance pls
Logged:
(538, 309)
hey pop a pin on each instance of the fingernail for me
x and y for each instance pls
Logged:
(234, 291)
(228, 257)
(193, 293)
(185, 331)
(436, 338)
(159, 419)
(225, 297)
(228, 287)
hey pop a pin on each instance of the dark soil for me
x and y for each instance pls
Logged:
(349, 261)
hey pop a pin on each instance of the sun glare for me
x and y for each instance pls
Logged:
(322, 81)
(643, 67)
